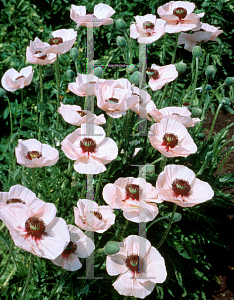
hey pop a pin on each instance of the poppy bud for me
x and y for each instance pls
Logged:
(181, 67)
(197, 51)
(98, 72)
(210, 71)
(37, 87)
(70, 74)
(121, 42)
(49, 71)
(226, 101)
(111, 248)
(130, 69)
(74, 53)
(196, 112)
(2, 92)
(150, 169)
(120, 24)
(229, 80)
(135, 78)
(208, 88)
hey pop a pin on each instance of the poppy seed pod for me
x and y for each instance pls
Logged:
(197, 51)
(49, 71)
(121, 42)
(74, 53)
(135, 78)
(70, 74)
(111, 248)
(196, 112)
(210, 71)
(2, 92)
(208, 88)
(130, 69)
(226, 101)
(229, 80)
(120, 24)
(98, 72)
(181, 67)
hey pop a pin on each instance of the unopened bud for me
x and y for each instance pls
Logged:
(181, 67)
(197, 51)
(130, 69)
(208, 88)
(98, 72)
(49, 71)
(74, 53)
(135, 78)
(121, 42)
(226, 101)
(210, 71)
(111, 248)
(120, 24)
(70, 74)
(196, 112)
(2, 92)
(229, 80)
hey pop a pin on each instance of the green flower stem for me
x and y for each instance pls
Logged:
(110, 122)
(41, 102)
(223, 161)
(163, 162)
(173, 91)
(157, 160)
(214, 120)
(174, 53)
(203, 92)
(168, 227)
(128, 127)
(163, 96)
(195, 79)
(120, 236)
(57, 77)
(56, 286)
(22, 108)
(8, 258)
(142, 64)
(124, 55)
(76, 65)
(9, 104)
(98, 188)
(30, 267)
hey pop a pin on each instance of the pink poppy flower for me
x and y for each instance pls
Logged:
(38, 231)
(62, 41)
(79, 246)
(91, 217)
(161, 75)
(84, 85)
(139, 108)
(114, 99)
(178, 184)
(39, 57)
(179, 16)
(214, 30)
(180, 114)
(134, 196)
(147, 29)
(171, 139)
(32, 154)
(73, 114)
(139, 272)
(90, 149)
(101, 15)
(20, 194)
(12, 80)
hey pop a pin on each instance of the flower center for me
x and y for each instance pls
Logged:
(40, 57)
(135, 264)
(56, 41)
(133, 191)
(113, 100)
(22, 76)
(181, 187)
(14, 200)
(88, 145)
(81, 113)
(71, 248)
(153, 73)
(35, 228)
(148, 25)
(92, 82)
(33, 154)
(98, 215)
(180, 12)
(170, 140)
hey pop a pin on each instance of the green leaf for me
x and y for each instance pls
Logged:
(6, 113)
